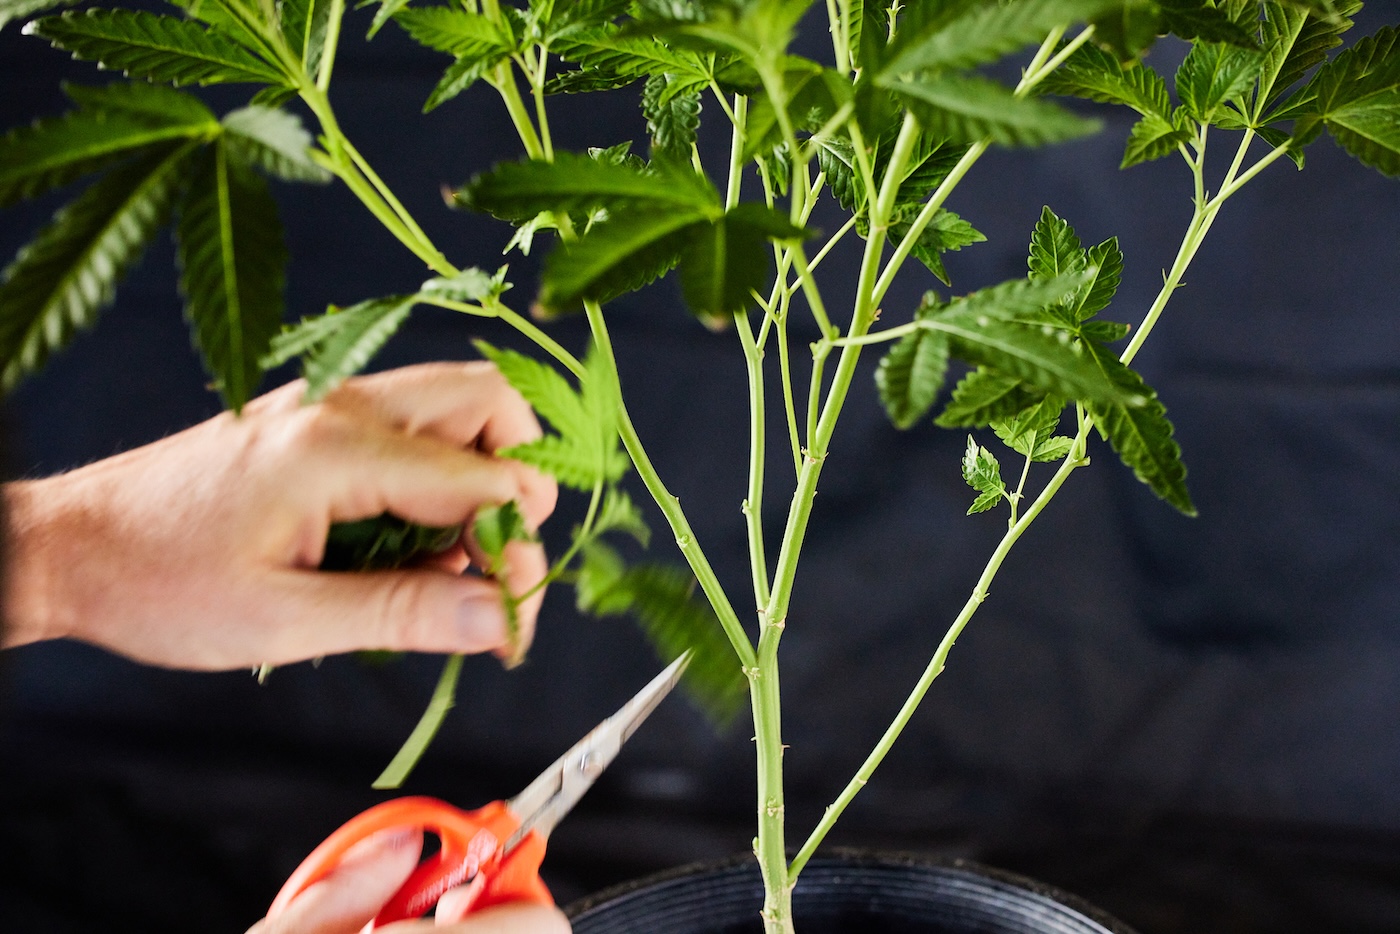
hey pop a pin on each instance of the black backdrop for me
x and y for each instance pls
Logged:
(1192, 723)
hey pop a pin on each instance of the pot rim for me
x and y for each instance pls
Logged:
(856, 857)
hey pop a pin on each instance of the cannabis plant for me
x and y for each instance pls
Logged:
(910, 98)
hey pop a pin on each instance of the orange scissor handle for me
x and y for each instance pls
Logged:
(470, 853)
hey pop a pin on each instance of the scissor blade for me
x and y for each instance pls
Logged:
(546, 800)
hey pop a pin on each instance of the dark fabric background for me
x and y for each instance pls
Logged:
(1192, 723)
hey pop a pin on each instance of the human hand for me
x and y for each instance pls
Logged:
(200, 550)
(372, 871)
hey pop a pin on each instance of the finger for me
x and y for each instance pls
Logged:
(422, 479)
(469, 404)
(349, 898)
(416, 610)
(505, 919)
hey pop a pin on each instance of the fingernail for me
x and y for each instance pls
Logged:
(481, 623)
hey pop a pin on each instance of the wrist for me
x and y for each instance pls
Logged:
(36, 513)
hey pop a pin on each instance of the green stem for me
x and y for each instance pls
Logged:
(503, 80)
(753, 504)
(670, 504)
(413, 748)
(934, 669)
(334, 19)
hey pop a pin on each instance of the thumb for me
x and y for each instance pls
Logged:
(418, 610)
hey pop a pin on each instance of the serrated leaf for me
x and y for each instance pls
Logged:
(1107, 261)
(619, 513)
(1018, 298)
(518, 191)
(672, 120)
(984, 33)
(154, 46)
(969, 108)
(1140, 433)
(548, 392)
(984, 395)
(1055, 248)
(1042, 357)
(663, 600)
(339, 343)
(1369, 129)
(388, 9)
(1203, 21)
(460, 75)
(910, 376)
(577, 15)
(1093, 74)
(723, 263)
(494, 527)
(452, 30)
(608, 50)
(1212, 74)
(947, 231)
(274, 141)
(69, 272)
(1153, 137)
(232, 268)
(631, 249)
(469, 285)
(304, 24)
(1104, 332)
(1031, 432)
(1360, 84)
(982, 472)
(160, 105)
(1294, 40)
(51, 153)
(11, 10)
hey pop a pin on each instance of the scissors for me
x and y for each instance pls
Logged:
(495, 851)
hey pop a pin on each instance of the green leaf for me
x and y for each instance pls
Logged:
(1369, 129)
(1140, 433)
(910, 375)
(1212, 74)
(631, 249)
(585, 451)
(518, 191)
(69, 273)
(577, 15)
(469, 285)
(51, 153)
(1356, 97)
(984, 33)
(968, 108)
(982, 472)
(233, 262)
(1055, 248)
(493, 528)
(304, 24)
(460, 75)
(383, 543)
(609, 51)
(1031, 432)
(1202, 20)
(1153, 137)
(1296, 39)
(1093, 74)
(663, 600)
(1043, 357)
(346, 340)
(11, 10)
(1017, 298)
(452, 30)
(947, 231)
(1104, 332)
(543, 387)
(388, 9)
(723, 263)
(672, 120)
(153, 46)
(984, 395)
(1107, 261)
(619, 513)
(274, 141)
(154, 103)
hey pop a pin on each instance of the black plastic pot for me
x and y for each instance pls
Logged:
(859, 893)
